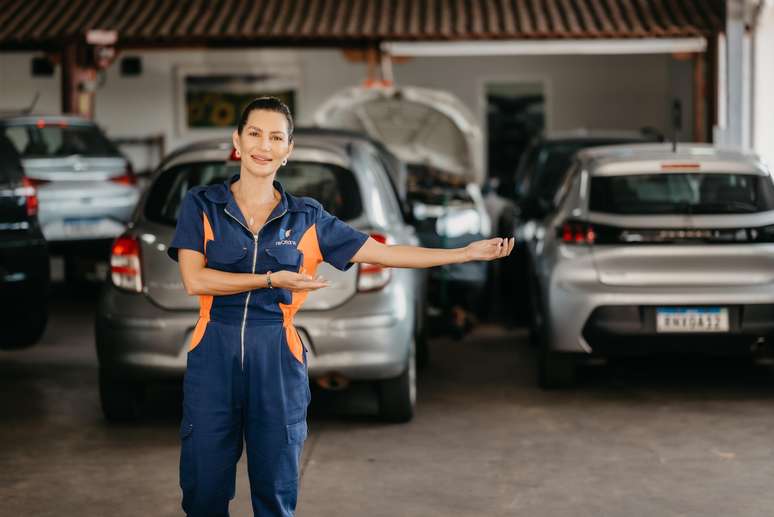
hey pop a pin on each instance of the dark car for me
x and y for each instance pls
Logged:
(537, 178)
(24, 263)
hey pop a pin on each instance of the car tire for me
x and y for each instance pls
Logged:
(397, 396)
(556, 369)
(25, 330)
(120, 398)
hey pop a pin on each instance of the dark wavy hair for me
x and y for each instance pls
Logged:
(267, 104)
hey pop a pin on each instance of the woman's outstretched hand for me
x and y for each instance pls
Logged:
(490, 249)
(297, 282)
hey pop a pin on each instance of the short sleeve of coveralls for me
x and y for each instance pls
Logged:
(189, 233)
(338, 241)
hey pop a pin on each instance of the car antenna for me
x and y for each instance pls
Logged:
(31, 107)
(677, 121)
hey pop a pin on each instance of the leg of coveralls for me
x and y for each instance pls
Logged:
(275, 423)
(211, 431)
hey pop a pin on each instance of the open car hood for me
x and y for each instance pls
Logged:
(420, 125)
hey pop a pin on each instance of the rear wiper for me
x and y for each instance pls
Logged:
(726, 206)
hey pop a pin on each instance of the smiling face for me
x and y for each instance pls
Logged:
(264, 142)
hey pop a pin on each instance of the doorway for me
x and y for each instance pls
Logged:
(515, 113)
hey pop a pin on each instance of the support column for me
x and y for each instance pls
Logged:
(763, 78)
(79, 79)
(699, 97)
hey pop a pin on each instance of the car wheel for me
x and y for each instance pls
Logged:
(555, 369)
(397, 396)
(25, 330)
(120, 398)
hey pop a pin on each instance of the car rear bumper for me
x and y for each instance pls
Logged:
(631, 329)
(594, 318)
(357, 340)
(69, 220)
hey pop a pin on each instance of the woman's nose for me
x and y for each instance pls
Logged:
(265, 143)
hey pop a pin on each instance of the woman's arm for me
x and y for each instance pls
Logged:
(374, 252)
(201, 280)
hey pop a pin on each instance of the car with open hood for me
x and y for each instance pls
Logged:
(441, 143)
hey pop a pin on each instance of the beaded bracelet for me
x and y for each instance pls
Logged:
(268, 279)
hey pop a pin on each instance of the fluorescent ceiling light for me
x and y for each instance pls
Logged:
(545, 47)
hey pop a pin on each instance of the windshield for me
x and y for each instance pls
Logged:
(334, 187)
(53, 140)
(542, 170)
(10, 166)
(685, 193)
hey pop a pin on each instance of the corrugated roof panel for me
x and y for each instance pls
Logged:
(45, 23)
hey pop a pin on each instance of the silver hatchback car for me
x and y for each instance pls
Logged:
(361, 328)
(649, 249)
(86, 186)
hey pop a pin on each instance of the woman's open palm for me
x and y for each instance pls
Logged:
(298, 282)
(490, 249)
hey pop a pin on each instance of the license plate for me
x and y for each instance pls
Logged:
(81, 227)
(688, 319)
(90, 227)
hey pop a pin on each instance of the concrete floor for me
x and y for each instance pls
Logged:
(638, 438)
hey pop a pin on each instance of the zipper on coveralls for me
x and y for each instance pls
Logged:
(255, 259)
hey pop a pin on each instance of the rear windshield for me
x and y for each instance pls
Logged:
(686, 193)
(10, 166)
(543, 170)
(333, 186)
(52, 141)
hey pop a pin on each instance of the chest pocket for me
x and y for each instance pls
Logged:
(226, 257)
(286, 257)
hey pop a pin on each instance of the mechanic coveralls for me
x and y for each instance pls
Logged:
(247, 376)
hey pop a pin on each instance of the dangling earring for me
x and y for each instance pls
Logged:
(285, 161)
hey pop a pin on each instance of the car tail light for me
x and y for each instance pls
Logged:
(372, 277)
(577, 232)
(127, 178)
(30, 193)
(125, 271)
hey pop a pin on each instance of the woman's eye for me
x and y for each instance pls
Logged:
(253, 133)
(278, 138)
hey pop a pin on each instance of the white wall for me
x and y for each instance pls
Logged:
(763, 94)
(604, 92)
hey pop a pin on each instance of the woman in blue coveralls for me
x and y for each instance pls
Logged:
(246, 377)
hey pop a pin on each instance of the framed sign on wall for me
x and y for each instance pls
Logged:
(210, 100)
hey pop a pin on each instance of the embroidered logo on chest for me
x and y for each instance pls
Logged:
(284, 237)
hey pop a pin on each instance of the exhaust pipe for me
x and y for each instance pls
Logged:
(333, 381)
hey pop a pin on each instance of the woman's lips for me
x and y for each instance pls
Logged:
(260, 159)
